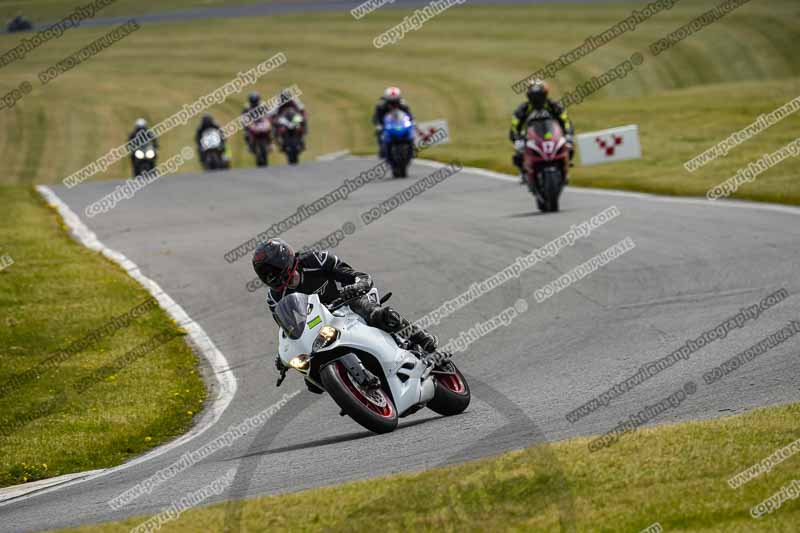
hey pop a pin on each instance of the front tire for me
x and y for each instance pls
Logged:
(552, 190)
(372, 409)
(451, 394)
(261, 155)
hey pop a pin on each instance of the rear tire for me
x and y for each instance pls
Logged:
(293, 156)
(451, 394)
(355, 403)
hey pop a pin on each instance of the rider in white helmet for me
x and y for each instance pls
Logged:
(145, 136)
(392, 99)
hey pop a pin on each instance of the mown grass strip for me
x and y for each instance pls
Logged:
(92, 372)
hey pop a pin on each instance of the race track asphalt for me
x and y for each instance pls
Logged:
(695, 264)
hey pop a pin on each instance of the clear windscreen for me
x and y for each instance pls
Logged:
(291, 314)
(544, 126)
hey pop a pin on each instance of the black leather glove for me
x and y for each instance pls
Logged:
(279, 364)
(355, 290)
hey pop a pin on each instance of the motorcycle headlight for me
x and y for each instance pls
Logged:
(150, 154)
(139, 154)
(300, 362)
(327, 336)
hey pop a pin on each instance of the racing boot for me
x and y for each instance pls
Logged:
(427, 341)
(395, 323)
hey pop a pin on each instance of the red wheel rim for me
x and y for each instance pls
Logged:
(451, 382)
(376, 401)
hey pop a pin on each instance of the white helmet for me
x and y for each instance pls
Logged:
(392, 94)
(140, 123)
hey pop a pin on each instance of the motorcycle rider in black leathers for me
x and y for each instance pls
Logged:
(19, 23)
(322, 273)
(208, 122)
(253, 103)
(392, 99)
(291, 102)
(538, 100)
(141, 126)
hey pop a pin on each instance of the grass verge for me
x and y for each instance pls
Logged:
(86, 402)
(675, 475)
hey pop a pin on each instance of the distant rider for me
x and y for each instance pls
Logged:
(141, 129)
(19, 23)
(255, 108)
(537, 100)
(288, 101)
(207, 122)
(322, 273)
(392, 99)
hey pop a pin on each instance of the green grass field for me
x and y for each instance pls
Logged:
(56, 293)
(458, 66)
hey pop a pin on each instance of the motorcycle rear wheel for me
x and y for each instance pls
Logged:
(372, 409)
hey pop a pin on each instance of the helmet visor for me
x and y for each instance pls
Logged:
(272, 275)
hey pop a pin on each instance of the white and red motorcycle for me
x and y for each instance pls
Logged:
(373, 376)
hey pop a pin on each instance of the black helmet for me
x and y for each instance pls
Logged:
(537, 94)
(254, 98)
(207, 120)
(274, 261)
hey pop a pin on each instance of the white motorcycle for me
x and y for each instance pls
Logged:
(373, 376)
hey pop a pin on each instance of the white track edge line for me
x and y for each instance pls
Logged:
(198, 338)
(743, 204)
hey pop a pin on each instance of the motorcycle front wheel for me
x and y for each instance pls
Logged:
(372, 409)
(293, 156)
(552, 189)
(261, 155)
(451, 393)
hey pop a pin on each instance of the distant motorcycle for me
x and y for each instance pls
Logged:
(374, 377)
(289, 132)
(546, 160)
(259, 137)
(19, 23)
(212, 151)
(144, 159)
(397, 138)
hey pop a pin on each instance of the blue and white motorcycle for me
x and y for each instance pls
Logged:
(397, 138)
(373, 376)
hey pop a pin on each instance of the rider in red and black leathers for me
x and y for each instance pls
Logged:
(322, 273)
(391, 100)
(255, 109)
(538, 100)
